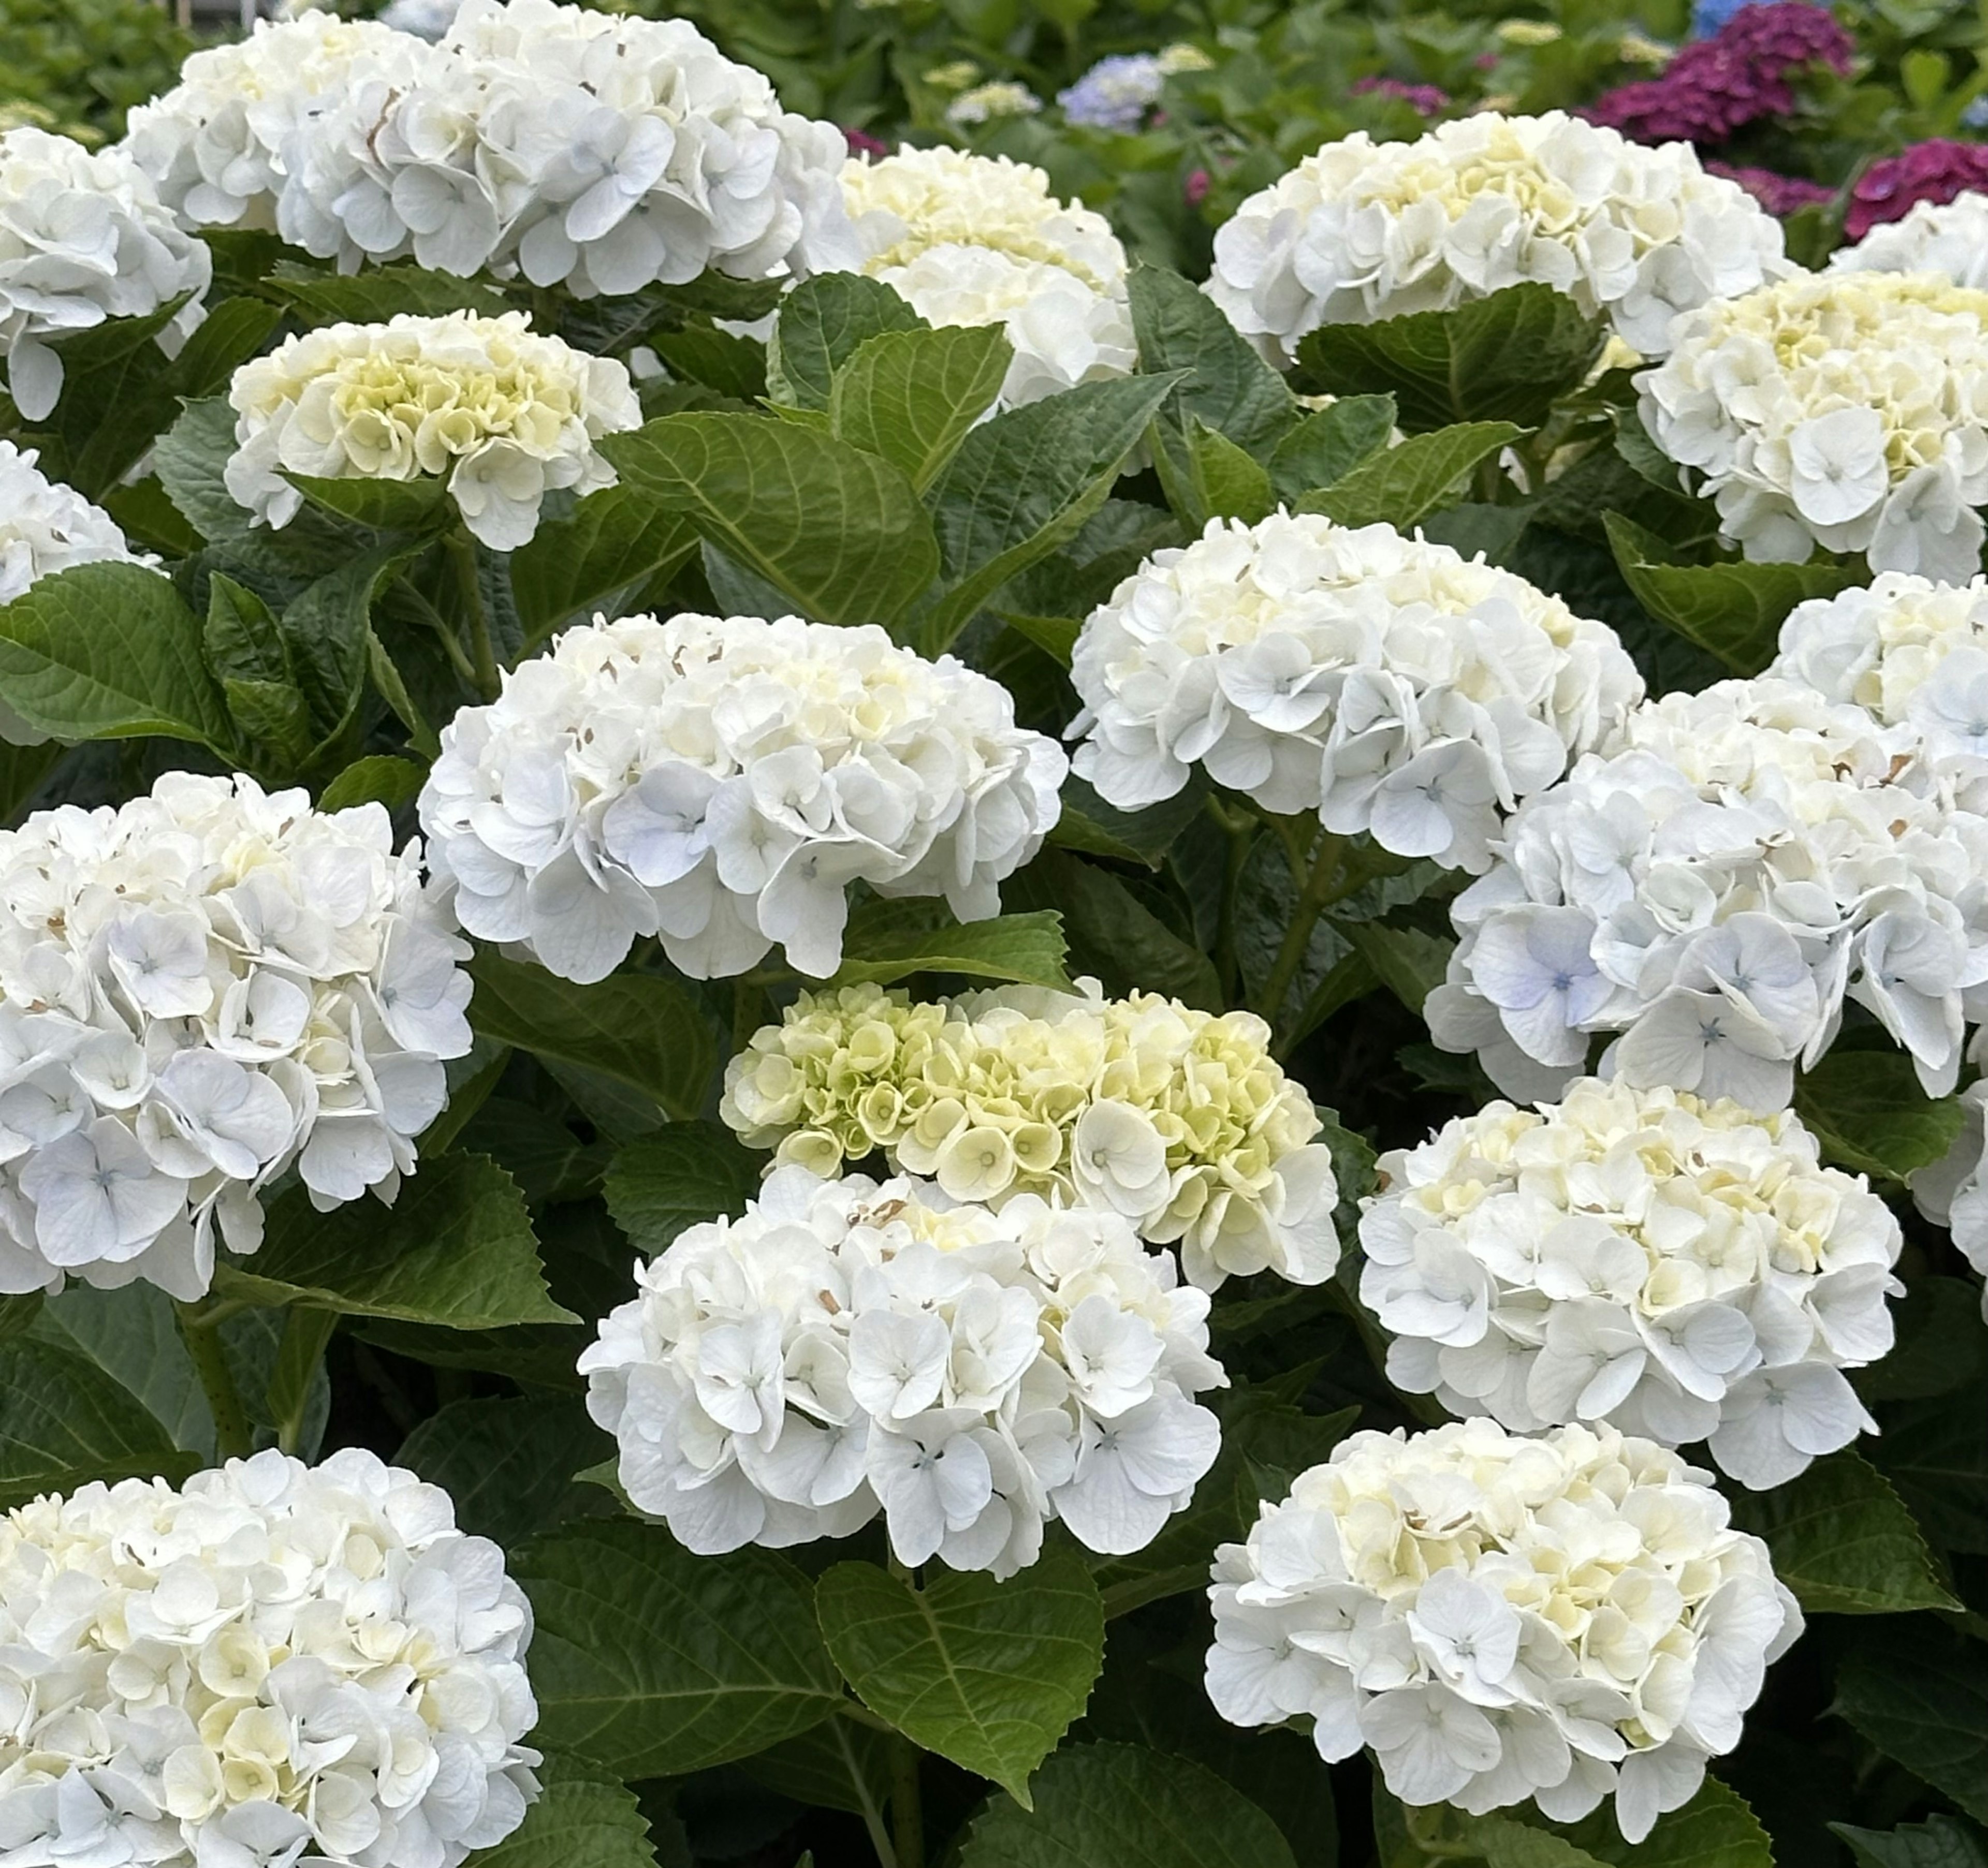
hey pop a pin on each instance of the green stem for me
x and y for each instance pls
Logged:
(908, 1818)
(1123, 1598)
(483, 656)
(748, 1000)
(451, 644)
(234, 1437)
(1318, 890)
(1424, 1827)
(868, 1807)
(1240, 829)
(306, 1334)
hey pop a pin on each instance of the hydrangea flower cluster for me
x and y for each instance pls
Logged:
(1389, 684)
(1117, 91)
(273, 1662)
(600, 151)
(502, 414)
(848, 1347)
(83, 237)
(1781, 195)
(1949, 238)
(1364, 231)
(221, 145)
(200, 989)
(1846, 409)
(1680, 1269)
(1740, 863)
(1562, 1619)
(46, 527)
(1937, 171)
(718, 783)
(1179, 1120)
(979, 240)
(988, 103)
(1744, 72)
(1953, 1192)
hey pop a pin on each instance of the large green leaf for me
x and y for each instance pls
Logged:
(109, 651)
(380, 292)
(420, 504)
(1224, 382)
(890, 940)
(190, 459)
(1329, 443)
(1207, 476)
(1940, 1841)
(838, 533)
(911, 396)
(640, 1028)
(456, 1248)
(988, 1674)
(823, 321)
(653, 1662)
(1868, 1111)
(683, 1174)
(1934, 1450)
(1844, 1541)
(1401, 486)
(1116, 1806)
(584, 1818)
(1508, 357)
(1941, 1345)
(63, 1422)
(328, 629)
(1919, 1693)
(611, 543)
(1732, 611)
(510, 1464)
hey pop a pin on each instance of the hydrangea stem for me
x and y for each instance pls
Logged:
(234, 1437)
(1318, 888)
(907, 1817)
(483, 656)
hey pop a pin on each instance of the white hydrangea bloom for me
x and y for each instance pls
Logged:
(718, 783)
(221, 143)
(596, 150)
(978, 240)
(1953, 1192)
(1387, 683)
(1846, 409)
(1736, 865)
(1680, 1269)
(1180, 1120)
(1561, 1619)
(83, 237)
(1363, 231)
(272, 1662)
(505, 415)
(199, 990)
(849, 1347)
(1948, 237)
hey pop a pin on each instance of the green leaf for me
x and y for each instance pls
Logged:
(640, 1028)
(63, 1423)
(1940, 1841)
(823, 321)
(584, 1818)
(1935, 1452)
(1409, 961)
(839, 532)
(109, 651)
(1941, 1345)
(1115, 1806)
(190, 459)
(421, 504)
(1055, 636)
(1211, 477)
(1508, 357)
(246, 651)
(611, 543)
(1867, 1108)
(327, 628)
(1089, 824)
(1111, 928)
(839, 1764)
(653, 1662)
(380, 292)
(456, 1248)
(911, 396)
(510, 1464)
(133, 1335)
(1401, 486)
(380, 778)
(890, 940)
(988, 1674)
(1224, 384)
(685, 1173)
(1328, 444)
(1732, 611)
(732, 365)
(1919, 1693)
(1843, 1541)
(1715, 1829)
(1022, 485)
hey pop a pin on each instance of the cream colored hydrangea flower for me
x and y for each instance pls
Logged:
(977, 240)
(505, 415)
(1948, 237)
(1846, 409)
(1180, 1120)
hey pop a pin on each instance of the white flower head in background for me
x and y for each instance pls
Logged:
(1844, 410)
(83, 237)
(199, 990)
(849, 1347)
(1680, 1270)
(981, 240)
(1714, 887)
(987, 103)
(1562, 1619)
(501, 415)
(1389, 684)
(1179, 1120)
(427, 19)
(1947, 237)
(719, 781)
(272, 1661)
(1953, 1191)
(600, 151)
(1363, 231)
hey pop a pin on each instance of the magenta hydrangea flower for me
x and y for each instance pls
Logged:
(1935, 171)
(1424, 99)
(861, 143)
(1779, 194)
